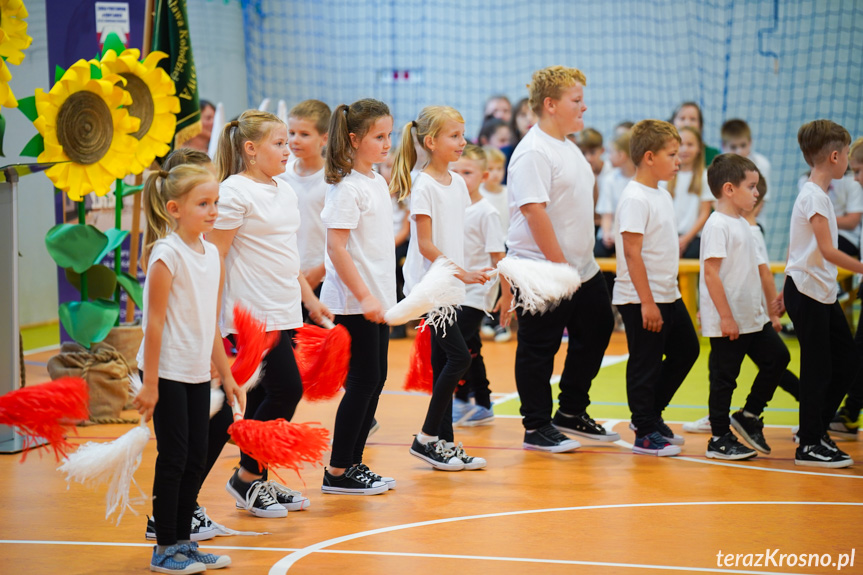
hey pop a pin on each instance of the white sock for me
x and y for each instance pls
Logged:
(426, 439)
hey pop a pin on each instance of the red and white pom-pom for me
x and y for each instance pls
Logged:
(253, 343)
(323, 358)
(110, 463)
(48, 411)
(540, 285)
(435, 296)
(420, 376)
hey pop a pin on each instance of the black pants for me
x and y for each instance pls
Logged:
(766, 350)
(450, 360)
(277, 394)
(828, 360)
(368, 372)
(180, 420)
(658, 361)
(854, 401)
(475, 380)
(589, 321)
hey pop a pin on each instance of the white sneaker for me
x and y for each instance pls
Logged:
(700, 426)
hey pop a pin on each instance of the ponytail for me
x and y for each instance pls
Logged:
(405, 160)
(251, 126)
(355, 119)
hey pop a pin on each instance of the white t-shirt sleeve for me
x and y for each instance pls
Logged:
(162, 252)
(854, 203)
(816, 204)
(233, 208)
(530, 184)
(632, 215)
(421, 201)
(495, 239)
(714, 242)
(342, 208)
(706, 194)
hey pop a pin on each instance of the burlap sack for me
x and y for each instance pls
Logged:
(106, 373)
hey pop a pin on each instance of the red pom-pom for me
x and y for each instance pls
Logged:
(49, 411)
(323, 358)
(420, 376)
(280, 443)
(253, 342)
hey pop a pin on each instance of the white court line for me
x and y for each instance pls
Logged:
(282, 566)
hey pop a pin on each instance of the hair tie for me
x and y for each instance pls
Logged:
(414, 123)
(234, 124)
(163, 174)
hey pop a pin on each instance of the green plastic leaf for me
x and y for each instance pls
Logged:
(34, 147)
(115, 238)
(2, 133)
(101, 281)
(75, 246)
(89, 322)
(132, 287)
(58, 73)
(95, 71)
(113, 42)
(131, 190)
(28, 107)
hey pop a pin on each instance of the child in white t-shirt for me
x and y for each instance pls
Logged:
(483, 248)
(308, 122)
(360, 283)
(737, 139)
(692, 197)
(662, 342)
(732, 313)
(181, 297)
(828, 358)
(611, 187)
(494, 191)
(438, 200)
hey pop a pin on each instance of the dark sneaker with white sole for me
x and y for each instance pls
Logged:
(470, 462)
(255, 497)
(203, 528)
(290, 499)
(665, 431)
(829, 444)
(654, 444)
(548, 438)
(820, 456)
(352, 482)
(437, 455)
(751, 429)
(583, 426)
(729, 448)
(843, 426)
(391, 483)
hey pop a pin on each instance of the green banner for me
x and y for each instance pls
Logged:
(171, 35)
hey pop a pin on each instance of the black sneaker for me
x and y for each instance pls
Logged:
(665, 432)
(255, 497)
(843, 426)
(353, 482)
(391, 483)
(819, 456)
(202, 528)
(470, 462)
(828, 443)
(437, 455)
(727, 447)
(290, 499)
(751, 429)
(583, 426)
(548, 438)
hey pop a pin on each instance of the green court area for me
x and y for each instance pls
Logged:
(608, 394)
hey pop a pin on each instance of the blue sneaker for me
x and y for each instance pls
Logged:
(654, 444)
(461, 410)
(479, 416)
(210, 560)
(174, 561)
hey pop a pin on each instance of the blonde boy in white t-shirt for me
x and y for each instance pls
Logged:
(732, 313)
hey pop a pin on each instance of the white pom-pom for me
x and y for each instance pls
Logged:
(217, 400)
(113, 464)
(135, 384)
(436, 294)
(253, 381)
(540, 285)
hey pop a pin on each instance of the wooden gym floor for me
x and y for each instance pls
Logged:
(596, 511)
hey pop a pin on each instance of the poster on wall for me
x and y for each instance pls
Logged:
(77, 29)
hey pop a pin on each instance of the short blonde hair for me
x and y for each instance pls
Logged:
(819, 138)
(493, 154)
(314, 111)
(855, 154)
(588, 139)
(650, 136)
(621, 143)
(550, 83)
(477, 154)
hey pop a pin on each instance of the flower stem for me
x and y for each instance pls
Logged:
(82, 220)
(118, 224)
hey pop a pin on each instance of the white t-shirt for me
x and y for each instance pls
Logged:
(400, 212)
(362, 205)
(686, 205)
(482, 236)
(763, 165)
(445, 205)
(190, 319)
(812, 274)
(611, 187)
(761, 256)
(500, 202)
(847, 197)
(263, 263)
(545, 170)
(311, 237)
(730, 240)
(647, 211)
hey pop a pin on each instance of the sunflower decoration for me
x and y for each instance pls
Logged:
(84, 121)
(13, 41)
(153, 100)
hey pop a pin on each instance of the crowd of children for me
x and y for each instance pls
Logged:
(324, 219)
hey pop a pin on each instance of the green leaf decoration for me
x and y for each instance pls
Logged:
(28, 107)
(2, 133)
(58, 73)
(34, 147)
(113, 42)
(89, 322)
(95, 71)
(131, 190)
(101, 281)
(132, 287)
(75, 246)
(115, 238)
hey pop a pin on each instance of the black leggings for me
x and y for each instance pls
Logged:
(180, 421)
(450, 359)
(476, 381)
(368, 372)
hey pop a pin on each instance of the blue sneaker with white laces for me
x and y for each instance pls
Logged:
(654, 444)
(210, 560)
(461, 410)
(173, 560)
